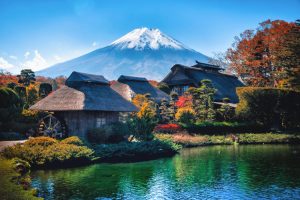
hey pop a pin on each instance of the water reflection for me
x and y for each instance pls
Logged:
(224, 172)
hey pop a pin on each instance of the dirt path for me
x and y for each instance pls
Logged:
(4, 144)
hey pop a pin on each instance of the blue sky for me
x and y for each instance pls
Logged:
(39, 33)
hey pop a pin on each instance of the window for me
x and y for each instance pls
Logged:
(100, 122)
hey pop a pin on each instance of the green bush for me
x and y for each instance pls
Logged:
(268, 138)
(136, 151)
(45, 151)
(272, 107)
(217, 128)
(10, 106)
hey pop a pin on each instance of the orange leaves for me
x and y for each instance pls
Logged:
(254, 54)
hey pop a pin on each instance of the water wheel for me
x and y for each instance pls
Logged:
(51, 126)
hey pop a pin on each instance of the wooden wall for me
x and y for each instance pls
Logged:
(80, 122)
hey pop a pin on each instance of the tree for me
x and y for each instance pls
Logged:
(45, 89)
(26, 77)
(267, 56)
(203, 100)
(32, 95)
(144, 121)
(225, 112)
(10, 106)
(164, 111)
(164, 87)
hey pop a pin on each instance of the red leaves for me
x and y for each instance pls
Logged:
(167, 128)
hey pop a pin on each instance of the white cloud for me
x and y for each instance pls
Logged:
(94, 44)
(13, 57)
(27, 53)
(36, 63)
(57, 58)
(4, 64)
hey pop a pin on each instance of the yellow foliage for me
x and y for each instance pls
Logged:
(139, 100)
(184, 110)
(147, 110)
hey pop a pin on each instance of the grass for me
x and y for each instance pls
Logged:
(188, 140)
(13, 183)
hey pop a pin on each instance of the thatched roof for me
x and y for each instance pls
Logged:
(224, 83)
(85, 96)
(79, 77)
(129, 86)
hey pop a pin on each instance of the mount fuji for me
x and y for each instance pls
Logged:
(142, 52)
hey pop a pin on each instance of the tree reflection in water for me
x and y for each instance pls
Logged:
(226, 172)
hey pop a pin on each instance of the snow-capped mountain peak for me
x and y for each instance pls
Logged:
(143, 38)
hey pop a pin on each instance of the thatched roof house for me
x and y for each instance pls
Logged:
(129, 86)
(182, 77)
(87, 101)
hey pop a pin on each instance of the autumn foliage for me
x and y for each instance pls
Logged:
(167, 128)
(268, 56)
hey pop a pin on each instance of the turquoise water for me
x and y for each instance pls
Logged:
(216, 172)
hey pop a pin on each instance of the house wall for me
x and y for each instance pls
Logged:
(80, 122)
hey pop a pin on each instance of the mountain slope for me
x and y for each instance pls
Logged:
(141, 52)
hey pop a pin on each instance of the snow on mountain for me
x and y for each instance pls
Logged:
(142, 38)
(141, 52)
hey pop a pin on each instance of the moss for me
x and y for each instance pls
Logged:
(13, 184)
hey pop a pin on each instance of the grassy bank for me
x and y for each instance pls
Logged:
(188, 140)
(15, 184)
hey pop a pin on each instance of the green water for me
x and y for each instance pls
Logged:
(217, 172)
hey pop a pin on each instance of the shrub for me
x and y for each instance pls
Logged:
(167, 128)
(272, 107)
(188, 140)
(185, 115)
(223, 127)
(267, 138)
(136, 151)
(72, 140)
(40, 141)
(45, 151)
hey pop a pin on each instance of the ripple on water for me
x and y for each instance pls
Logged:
(220, 172)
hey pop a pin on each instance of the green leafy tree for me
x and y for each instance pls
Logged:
(225, 112)
(164, 111)
(164, 87)
(11, 85)
(26, 77)
(10, 106)
(45, 89)
(203, 98)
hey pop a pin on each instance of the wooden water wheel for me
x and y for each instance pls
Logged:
(51, 126)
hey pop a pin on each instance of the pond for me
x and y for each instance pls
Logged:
(215, 172)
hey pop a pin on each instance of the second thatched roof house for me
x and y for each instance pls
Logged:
(86, 101)
(129, 86)
(182, 77)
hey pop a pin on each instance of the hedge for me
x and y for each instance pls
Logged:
(271, 107)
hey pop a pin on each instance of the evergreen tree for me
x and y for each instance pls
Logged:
(26, 77)
(203, 98)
